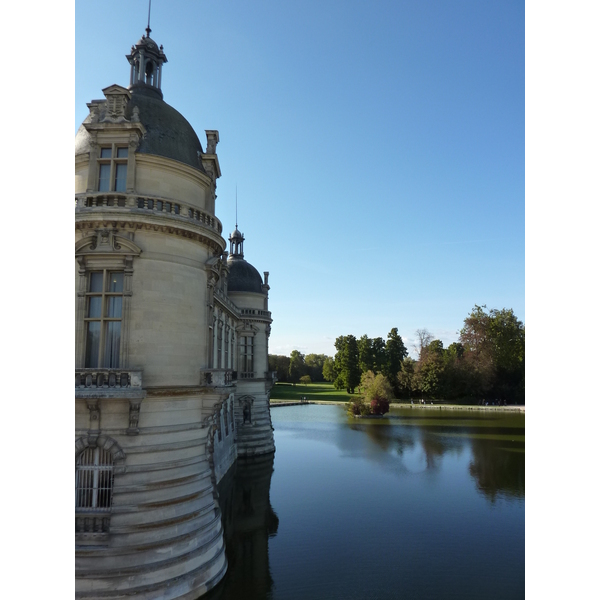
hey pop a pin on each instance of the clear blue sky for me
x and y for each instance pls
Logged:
(378, 149)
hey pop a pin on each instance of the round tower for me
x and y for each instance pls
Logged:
(155, 420)
(246, 289)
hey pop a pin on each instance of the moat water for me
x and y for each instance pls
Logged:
(423, 505)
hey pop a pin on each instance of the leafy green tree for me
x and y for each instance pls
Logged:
(314, 366)
(494, 344)
(377, 392)
(366, 358)
(430, 370)
(395, 353)
(457, 377)
(346, 363)
(297, 367)
(406, 378)
(305, 379)
(379, 355)
(328, 369)
(280, 364)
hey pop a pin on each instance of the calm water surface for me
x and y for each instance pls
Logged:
(424, 504)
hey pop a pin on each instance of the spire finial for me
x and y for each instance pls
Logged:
(236, 205)
(148, 30)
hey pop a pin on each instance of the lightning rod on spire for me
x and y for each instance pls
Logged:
(148, 30)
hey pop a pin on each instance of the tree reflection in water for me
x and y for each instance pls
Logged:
(249, 521)
(498, 460)
(498, 468)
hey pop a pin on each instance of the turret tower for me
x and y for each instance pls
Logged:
(171, 371)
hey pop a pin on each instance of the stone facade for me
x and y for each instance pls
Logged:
(171, 374)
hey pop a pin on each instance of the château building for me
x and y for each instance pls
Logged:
(171, 377)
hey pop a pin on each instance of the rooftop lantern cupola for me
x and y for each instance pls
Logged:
(236, 244)
(146, 60)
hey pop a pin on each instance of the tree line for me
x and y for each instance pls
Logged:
(486, 364)
(297, 367)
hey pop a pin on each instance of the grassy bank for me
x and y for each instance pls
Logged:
(315, 392)
(325, 392)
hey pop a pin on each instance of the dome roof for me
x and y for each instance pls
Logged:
(243, 277)
(168, 133)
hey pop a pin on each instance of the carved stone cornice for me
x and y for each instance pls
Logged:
(94, 221)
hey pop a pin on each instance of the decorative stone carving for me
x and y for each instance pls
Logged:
(94, 111)
(107, 443)
(246, 403)
(133, 140)
(94, 408)
(134, 416)
(212, 139)
(106, 241)
(117, 98)
(208, 167)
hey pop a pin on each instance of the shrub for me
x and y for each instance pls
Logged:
(358, 407)
(379, 406)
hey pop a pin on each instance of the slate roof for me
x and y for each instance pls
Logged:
(168, 133)
(243, 277)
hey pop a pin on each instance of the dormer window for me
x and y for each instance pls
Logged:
(112, 169)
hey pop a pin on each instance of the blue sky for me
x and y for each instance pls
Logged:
(377, 148)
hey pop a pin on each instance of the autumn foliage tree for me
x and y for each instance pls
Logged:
(494, 343)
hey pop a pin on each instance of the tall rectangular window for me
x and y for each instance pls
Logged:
(103, 319)
(247, 354)
(112, 169)
(219, 343)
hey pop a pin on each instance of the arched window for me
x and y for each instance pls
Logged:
(94, 480)
(149, 72)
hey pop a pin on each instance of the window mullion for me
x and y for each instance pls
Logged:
(113, 153)
(102, 313)
(96, 472)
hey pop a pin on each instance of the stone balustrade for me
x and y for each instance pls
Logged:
(92, 522)
(147, 204)
(226, 301)
(99, 383)
(108, 378)
(217, 377)
(256, 312)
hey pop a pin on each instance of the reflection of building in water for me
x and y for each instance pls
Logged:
(244, 496)
(171, 381)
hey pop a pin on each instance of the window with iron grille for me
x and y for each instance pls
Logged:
(94, 480)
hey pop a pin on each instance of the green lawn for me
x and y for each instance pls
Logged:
(313, 391)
